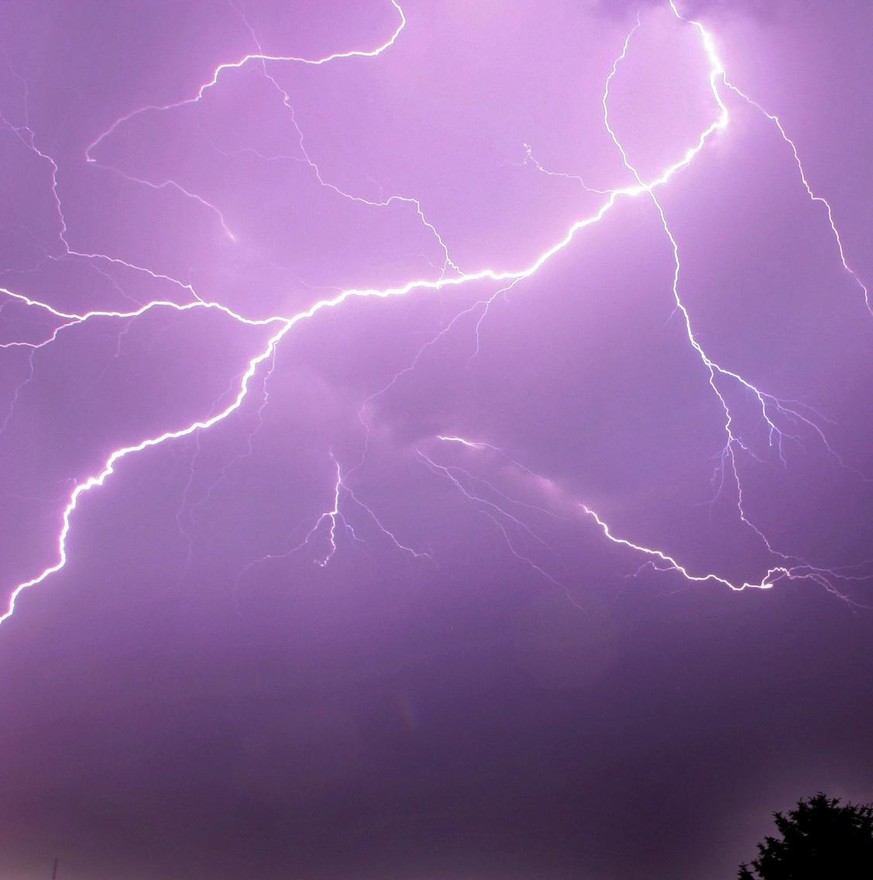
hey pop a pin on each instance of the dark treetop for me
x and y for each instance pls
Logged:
(820, 838)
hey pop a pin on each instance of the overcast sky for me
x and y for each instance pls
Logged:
(525, 530)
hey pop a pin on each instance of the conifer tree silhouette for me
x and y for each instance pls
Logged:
(821, 839)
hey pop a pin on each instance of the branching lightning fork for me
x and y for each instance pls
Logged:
(775, 413)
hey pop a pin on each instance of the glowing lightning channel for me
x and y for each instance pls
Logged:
(715, 371)
(709, 44)
(656, 558)
(99, 479)
(74, 318)
(242, 62)
(814, 197)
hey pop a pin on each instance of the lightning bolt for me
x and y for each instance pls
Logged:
(273, 329)
(332, 522)
(829, 579)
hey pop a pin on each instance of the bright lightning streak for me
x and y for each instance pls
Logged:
(279, 326)
(80, 318)
(99, 479)
(709, 44)
(331, 516)
(242, 62)
(470, 444)
(656, 558)
(809, 191)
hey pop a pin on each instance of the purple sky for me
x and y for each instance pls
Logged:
(526, 530)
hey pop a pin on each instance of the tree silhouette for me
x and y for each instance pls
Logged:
(820, 840)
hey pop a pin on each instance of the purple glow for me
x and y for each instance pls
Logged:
(297, 300)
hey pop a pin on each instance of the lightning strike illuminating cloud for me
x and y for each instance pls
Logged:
(275, 328)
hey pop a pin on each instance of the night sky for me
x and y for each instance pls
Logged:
(434, 435)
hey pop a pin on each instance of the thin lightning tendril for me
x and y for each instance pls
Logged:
(333, 519)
